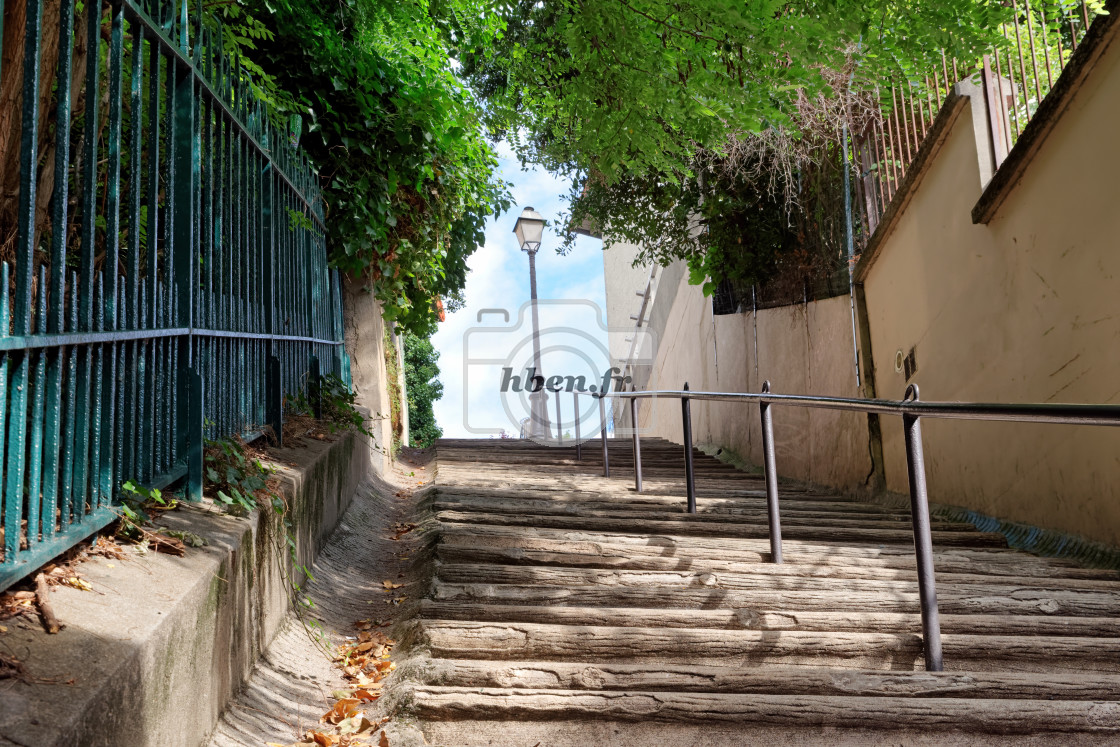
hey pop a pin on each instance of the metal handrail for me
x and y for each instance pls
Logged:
(1059, 414)
(911, 409)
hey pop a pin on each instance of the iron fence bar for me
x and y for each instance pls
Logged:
(770, 473)
(71, 405)
(603, 436)
(173, 51)
(28, 160)
(686, 426)
(637, 446)
(60, 199)
(314, 391)
(36, 446)
(275, 400)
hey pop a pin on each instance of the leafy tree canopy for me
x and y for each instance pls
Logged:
(629, 87)
(407, 172)
(638, 100)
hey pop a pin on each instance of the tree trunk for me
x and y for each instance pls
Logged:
(11, 82)
(11, 107)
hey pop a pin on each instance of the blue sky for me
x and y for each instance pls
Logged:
(499, 279)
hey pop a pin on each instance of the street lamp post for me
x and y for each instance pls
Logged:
(529, 230)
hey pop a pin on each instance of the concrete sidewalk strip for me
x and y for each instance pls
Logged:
(154, 654)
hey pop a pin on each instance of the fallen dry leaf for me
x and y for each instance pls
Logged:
(384, 741)
(399, 530)
(342, 710)
(356, 723)
(321, 739)
(389, 585)
(77, 583)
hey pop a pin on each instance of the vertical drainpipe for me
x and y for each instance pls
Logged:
(849, 238)
(861, 337)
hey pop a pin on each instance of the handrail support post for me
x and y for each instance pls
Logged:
(575, 416)
(770, 472)
(689, 475)
(923, 541)
(603, 436)
(559, 426)
(637, 445)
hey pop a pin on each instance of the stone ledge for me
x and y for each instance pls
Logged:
(160, 646)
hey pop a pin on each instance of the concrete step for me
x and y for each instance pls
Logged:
(684, 549)
(772, 619)
(970, 716)
(790, 518)
(753, 508)
(743, 499)
(706, 567)
(788, 579)
(647, 677)
(473, 544)
(567, 609)
(692, 525)
(456, 639)
(950, 601)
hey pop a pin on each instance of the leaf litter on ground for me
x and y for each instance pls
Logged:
(400, 529)
(364, 662)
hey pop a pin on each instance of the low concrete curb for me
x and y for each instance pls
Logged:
(154, 654)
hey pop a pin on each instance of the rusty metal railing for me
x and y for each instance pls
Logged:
(1039, 40)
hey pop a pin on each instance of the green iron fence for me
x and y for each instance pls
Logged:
(166, 279)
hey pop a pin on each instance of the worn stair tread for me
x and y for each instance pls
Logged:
(821, 520)
(451, 639)
(1021, 716)
(999, 561)
(727, 529)
(746, 618)
(568, 609)
(751, 501)
(753, 515)
(764, 579)
(625, 559)
(650, 677)
(700, 597)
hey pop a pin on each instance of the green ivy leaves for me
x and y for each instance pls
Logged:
(406, 168)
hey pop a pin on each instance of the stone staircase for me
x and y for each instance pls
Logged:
(566, 609)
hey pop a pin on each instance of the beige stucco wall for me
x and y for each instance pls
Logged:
(1025, 309)
(801, 349)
